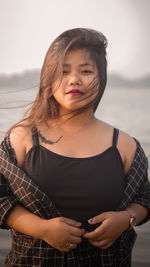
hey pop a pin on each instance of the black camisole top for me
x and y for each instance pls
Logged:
(79, 187)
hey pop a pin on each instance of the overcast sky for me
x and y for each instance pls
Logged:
(27, 27)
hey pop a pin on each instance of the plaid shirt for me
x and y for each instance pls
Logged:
(17, 188)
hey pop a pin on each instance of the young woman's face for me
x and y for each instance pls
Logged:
(74, 91)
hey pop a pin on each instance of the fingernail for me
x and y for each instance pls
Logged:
(90, 221)
(79, 223)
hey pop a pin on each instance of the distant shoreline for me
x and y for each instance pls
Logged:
(31, 78)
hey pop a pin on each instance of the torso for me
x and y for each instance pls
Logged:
(92, 141)
(80, 187)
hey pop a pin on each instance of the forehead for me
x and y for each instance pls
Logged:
(78, 56)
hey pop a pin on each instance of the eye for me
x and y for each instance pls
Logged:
(65, 72)
(87, 71)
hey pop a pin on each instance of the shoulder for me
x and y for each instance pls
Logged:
(126, 144)
(127, 147)
(20, 137)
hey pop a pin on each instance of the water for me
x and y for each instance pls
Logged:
(126, 109)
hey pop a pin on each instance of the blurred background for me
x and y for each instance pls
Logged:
(28, 27)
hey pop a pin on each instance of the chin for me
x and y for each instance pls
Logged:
(73, 109)
(75, 106)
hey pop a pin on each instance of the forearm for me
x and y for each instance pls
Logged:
(58, 232)
(137, 210)
(25, 222)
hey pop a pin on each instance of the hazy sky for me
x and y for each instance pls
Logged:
(27, 27)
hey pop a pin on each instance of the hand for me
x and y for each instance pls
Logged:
(113, 224)
(60, 232)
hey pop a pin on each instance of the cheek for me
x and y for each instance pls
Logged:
(59, 94)
(58, 87)
(91, 84)
(56, 91)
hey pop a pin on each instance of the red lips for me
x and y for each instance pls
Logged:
(74, 92)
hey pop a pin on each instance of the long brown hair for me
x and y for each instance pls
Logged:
(45, 106)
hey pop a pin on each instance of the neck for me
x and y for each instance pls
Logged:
(72, 120)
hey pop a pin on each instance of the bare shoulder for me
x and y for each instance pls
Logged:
(20, 136)
(125, 144)
(127, 147)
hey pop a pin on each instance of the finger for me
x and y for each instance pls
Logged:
(71, 222)
(75, 240)
(98, 233)
(69, 246)
(91, 236)
(102, 244)
(77, 231)
(97, 219)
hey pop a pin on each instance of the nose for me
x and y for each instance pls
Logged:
(74, 79)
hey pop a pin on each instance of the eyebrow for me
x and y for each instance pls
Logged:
(81, 65)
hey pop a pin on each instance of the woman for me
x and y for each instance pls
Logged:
(73, 187)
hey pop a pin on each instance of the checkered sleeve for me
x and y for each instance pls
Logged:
(143, 196)
(141, 185)
(7, 200)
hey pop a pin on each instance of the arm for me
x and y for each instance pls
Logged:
(138, 183)
(7, 201)
(137, 211)
(113, 224)
(128, 145)
(58, 232)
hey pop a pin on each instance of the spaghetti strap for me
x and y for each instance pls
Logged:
(115, 136)
(35, 139)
